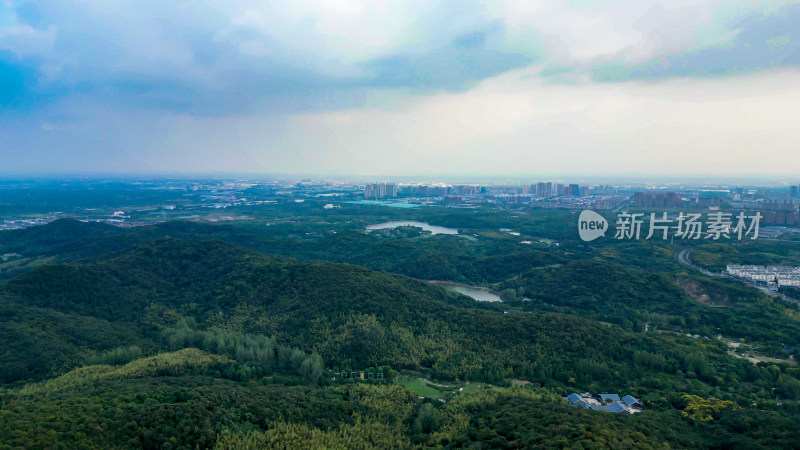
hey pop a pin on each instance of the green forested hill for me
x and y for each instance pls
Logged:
(207, 412)
(59, 237)
(630, 297)
(212, 276)
(59, 241)
(178, 343)
(429, 257)
(350, 315)
(39, 342)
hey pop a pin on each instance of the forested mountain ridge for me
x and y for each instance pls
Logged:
(436, 257)
(212, 275)
(58, 237)
(195, 341)
(349, 314)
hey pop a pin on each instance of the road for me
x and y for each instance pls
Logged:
(620, 206)
(684, 257)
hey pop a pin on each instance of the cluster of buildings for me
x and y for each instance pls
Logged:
(775, 207)
(380, 190)
(781, 276)
(777, 212)
(612, 403)
(465, 189)
(14, 224)
(549, 189)
(541, 194)
(791, 219)
(778, 206)
(425, 190)
(657, 199)
(539, 190)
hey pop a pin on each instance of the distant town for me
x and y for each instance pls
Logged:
(142, 202)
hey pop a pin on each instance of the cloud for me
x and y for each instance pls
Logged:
(340, 85)
(25, 40)
(218, 58)
(215, 49)
(756, 43)
(515, 124)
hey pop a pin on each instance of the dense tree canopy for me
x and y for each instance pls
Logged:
(186, 335)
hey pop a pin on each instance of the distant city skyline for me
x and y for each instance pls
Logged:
(569, 89)
(665, 181)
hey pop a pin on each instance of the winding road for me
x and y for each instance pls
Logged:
(684, 257)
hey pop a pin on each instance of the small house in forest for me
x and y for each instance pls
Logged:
(605, 402)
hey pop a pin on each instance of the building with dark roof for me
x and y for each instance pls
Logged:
(632, 402)
(609, 397)
(628, 405)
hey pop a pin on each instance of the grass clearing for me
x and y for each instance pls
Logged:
(422, 388)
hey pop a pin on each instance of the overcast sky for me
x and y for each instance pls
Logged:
(505, 88)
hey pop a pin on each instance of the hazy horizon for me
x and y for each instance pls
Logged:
(488, 179)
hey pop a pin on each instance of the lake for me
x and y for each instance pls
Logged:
(477, 293)
(434, 229)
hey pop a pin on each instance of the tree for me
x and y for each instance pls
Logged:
(311, 368)
(427, 419)
(508, 295)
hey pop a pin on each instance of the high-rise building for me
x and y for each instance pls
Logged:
(541, 189)
(793, 191)
(638, 199)
(426, 190)
(466, 189)
(380, 190)
(775, 205)
(660, 199)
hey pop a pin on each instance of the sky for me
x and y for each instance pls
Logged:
(401, 88)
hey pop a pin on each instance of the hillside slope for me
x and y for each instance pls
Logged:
(115, 328)
(352, 316)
